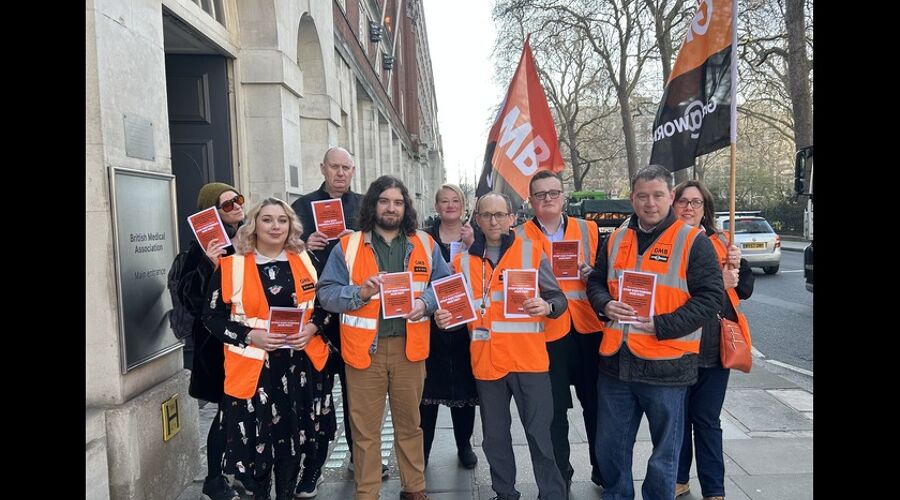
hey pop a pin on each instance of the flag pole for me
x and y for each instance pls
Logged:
(732, 188)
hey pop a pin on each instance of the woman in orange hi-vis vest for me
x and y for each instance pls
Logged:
(509, 354)
(277, 405)
(694, 205)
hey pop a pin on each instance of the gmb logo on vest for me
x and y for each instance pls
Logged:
(307, 284)
(660, 252)
(419, 267)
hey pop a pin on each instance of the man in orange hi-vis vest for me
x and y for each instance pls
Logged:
(384, 356)
(509, 352)
(573, 339)
(648, 360)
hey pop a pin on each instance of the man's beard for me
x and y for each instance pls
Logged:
(390, 226)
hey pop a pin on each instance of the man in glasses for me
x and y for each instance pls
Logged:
(509, 355)
(648, 362)
(337, 169)
(573, 339)
(204, 353)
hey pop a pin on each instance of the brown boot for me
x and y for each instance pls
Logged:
(416, 495)
(682, 489)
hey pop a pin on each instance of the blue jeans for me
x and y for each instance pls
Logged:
(620, 407)
(702, 409)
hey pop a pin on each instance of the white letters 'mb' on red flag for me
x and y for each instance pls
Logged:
(523, 139)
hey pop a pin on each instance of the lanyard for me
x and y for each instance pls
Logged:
(485, 290)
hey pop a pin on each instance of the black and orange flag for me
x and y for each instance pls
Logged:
(697, 112)
(523, 139)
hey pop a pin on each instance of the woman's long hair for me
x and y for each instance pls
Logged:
(245, 241)
(367, 212)
(708, 221)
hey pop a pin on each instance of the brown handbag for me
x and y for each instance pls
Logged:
(734, 350)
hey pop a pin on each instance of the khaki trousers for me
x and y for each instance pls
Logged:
(402, 381)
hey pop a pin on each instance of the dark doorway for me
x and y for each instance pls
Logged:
(199, 129)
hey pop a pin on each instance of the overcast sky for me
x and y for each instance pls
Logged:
(461, 37)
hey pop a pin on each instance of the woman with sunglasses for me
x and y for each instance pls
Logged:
(277, 402)
(694, 205)
(203, 352)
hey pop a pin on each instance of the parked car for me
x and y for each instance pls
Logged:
(755, 237)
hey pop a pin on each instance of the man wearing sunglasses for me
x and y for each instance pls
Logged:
(204, 354)
(573, 339)
(337, 169)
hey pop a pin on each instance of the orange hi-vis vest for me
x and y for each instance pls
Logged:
(501, 345)
(720, 244)
(580, 312)
(359, 328)
(668, 258)
(242, 288)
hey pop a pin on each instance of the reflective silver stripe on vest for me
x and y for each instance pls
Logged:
(527, 252)
(237, 287)
(695, 335)
(576, 295)
(425, 238)
(585, 242)
(309, 304)
(419, 286)
(310, 268)
(359, 322)
(497, 296)
(353, 246)
(465, 267)
(247, 352)
(672, 276)
(618, 236)
(517, 327)
(520, 231)
(262, 324)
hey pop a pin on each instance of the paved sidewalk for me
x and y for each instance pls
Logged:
(767, 424)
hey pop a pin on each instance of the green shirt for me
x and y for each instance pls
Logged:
(390, 259)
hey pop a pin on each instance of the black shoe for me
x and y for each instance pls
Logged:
(217, 488)
(246, 482)
(467, 458)
(309, 482)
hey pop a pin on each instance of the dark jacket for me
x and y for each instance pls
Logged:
(704, 280)
(709, 342)
(448, 369)
(303, 206)
(208, 370)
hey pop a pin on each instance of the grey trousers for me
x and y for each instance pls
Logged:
(534, 401)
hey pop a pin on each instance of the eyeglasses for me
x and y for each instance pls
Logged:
(543, 195)
(695, 203)
(228, 206)
(487, 216)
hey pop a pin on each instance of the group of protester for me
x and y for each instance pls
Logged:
(274, 391)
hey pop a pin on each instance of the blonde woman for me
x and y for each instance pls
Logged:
(448, 369)
(277, 403)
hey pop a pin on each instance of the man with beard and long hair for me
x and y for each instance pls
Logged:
(384, 356)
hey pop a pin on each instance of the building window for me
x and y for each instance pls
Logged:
(214, 8)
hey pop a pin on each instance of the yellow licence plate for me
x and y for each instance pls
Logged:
(754, 245)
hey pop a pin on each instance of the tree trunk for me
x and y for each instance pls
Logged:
(628, 131)
(798, 74)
